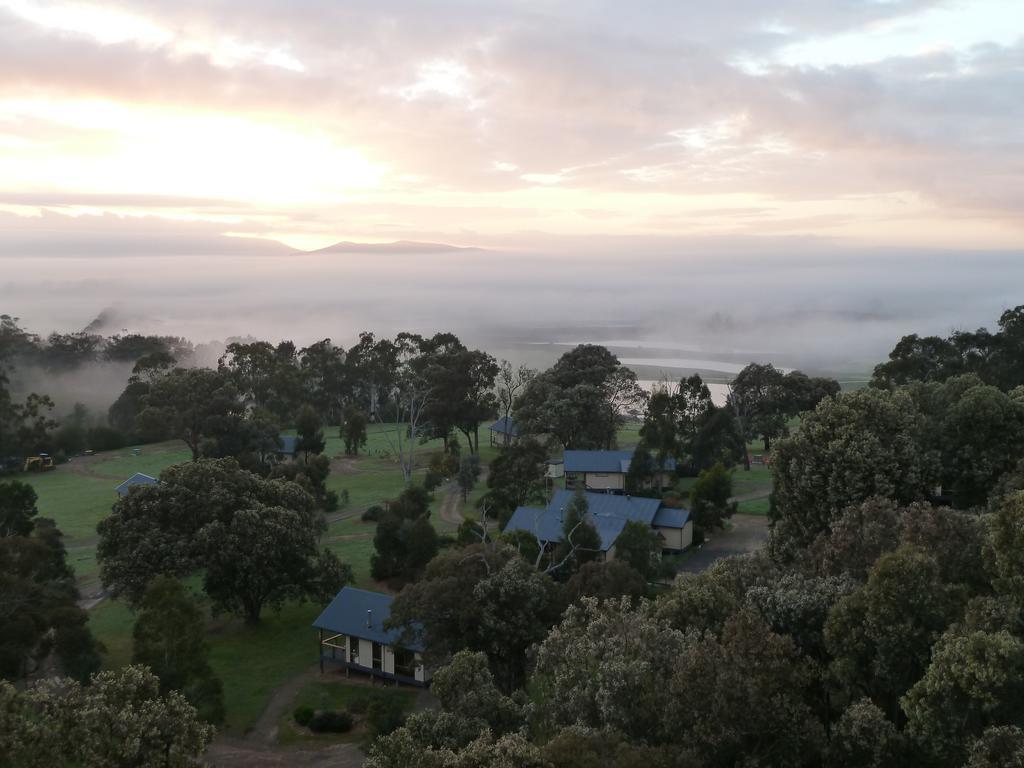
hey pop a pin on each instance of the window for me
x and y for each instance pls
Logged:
(405, 663)
(378, 656)
(353, 650)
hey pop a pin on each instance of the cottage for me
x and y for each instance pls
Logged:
(606, 471)
(352, 635)
(608, 513)
(135, 480)
(503, 431)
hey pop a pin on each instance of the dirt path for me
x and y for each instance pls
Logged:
(240, 753)
(449, 509)
(79, 465)
(748, 534)
(760, 493)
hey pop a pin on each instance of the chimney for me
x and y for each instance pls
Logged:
(369, 619)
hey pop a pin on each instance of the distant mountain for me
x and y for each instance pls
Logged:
(398, 247)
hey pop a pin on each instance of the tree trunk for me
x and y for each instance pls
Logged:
(767, 443)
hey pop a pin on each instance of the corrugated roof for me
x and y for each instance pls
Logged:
(347, 615)
(611, 505)
(668, 517)
(605, 461)
(546, 525)
(505, 426)
(137, 479)
(596, 461)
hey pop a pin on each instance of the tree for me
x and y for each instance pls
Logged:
(608, 580)
(175, 527)
(39, 614)
(639, 546)
(758, 397)
(469, 472)
(741, 699)
(880, 637)
(581, 542)
(120, 719)
(859, 445)
(918, 359)
(185, 400)
(864, 738)
(515, 478)
(1004, 547)
(353, 430)
(311, 435)
(511, 381)
(479, 598)
(709, 498)
(169, 637)
(263, 556)
(402, 546)
(581, 400)
(604, 667)
(17, 508)
(998, 747)
(975, 681)
(856, 539)
(326, 380)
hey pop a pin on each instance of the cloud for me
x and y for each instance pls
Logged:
(589, 106)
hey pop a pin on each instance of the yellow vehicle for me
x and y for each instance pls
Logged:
(41, 463)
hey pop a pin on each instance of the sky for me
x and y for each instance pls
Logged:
(863, 123)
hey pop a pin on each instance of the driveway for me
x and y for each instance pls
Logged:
(748, 534)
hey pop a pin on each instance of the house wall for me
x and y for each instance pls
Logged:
(605, 481)
(677, 538)
(366, 657)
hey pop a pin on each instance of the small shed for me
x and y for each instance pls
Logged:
(504, 431)
(135, 480)
(289, 446)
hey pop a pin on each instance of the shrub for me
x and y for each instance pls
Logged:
(331, 501)
(384, 715)
(303, 715)
(331, 721)
(372, 514)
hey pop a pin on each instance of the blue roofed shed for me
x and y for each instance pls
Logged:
(135, 480)
(289, 445)
(352, 635)
(504, 431)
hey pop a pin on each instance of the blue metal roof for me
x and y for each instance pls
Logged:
(611, 505)
(137, 479)
(546, 525)
(605, 461)
(596, 461)
(608, 512)
(505, 426)
(347, 615)
(668, 517)
(289, 444)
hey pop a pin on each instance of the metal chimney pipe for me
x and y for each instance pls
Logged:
(369, 619)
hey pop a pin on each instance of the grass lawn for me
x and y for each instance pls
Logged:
(754, 507)
(340, 695)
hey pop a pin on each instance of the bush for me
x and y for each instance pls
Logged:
(303, 715)
(372, 514)
(331, 501)
(104, 439)
(384, 715)
(432, 480)
(331, 721)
